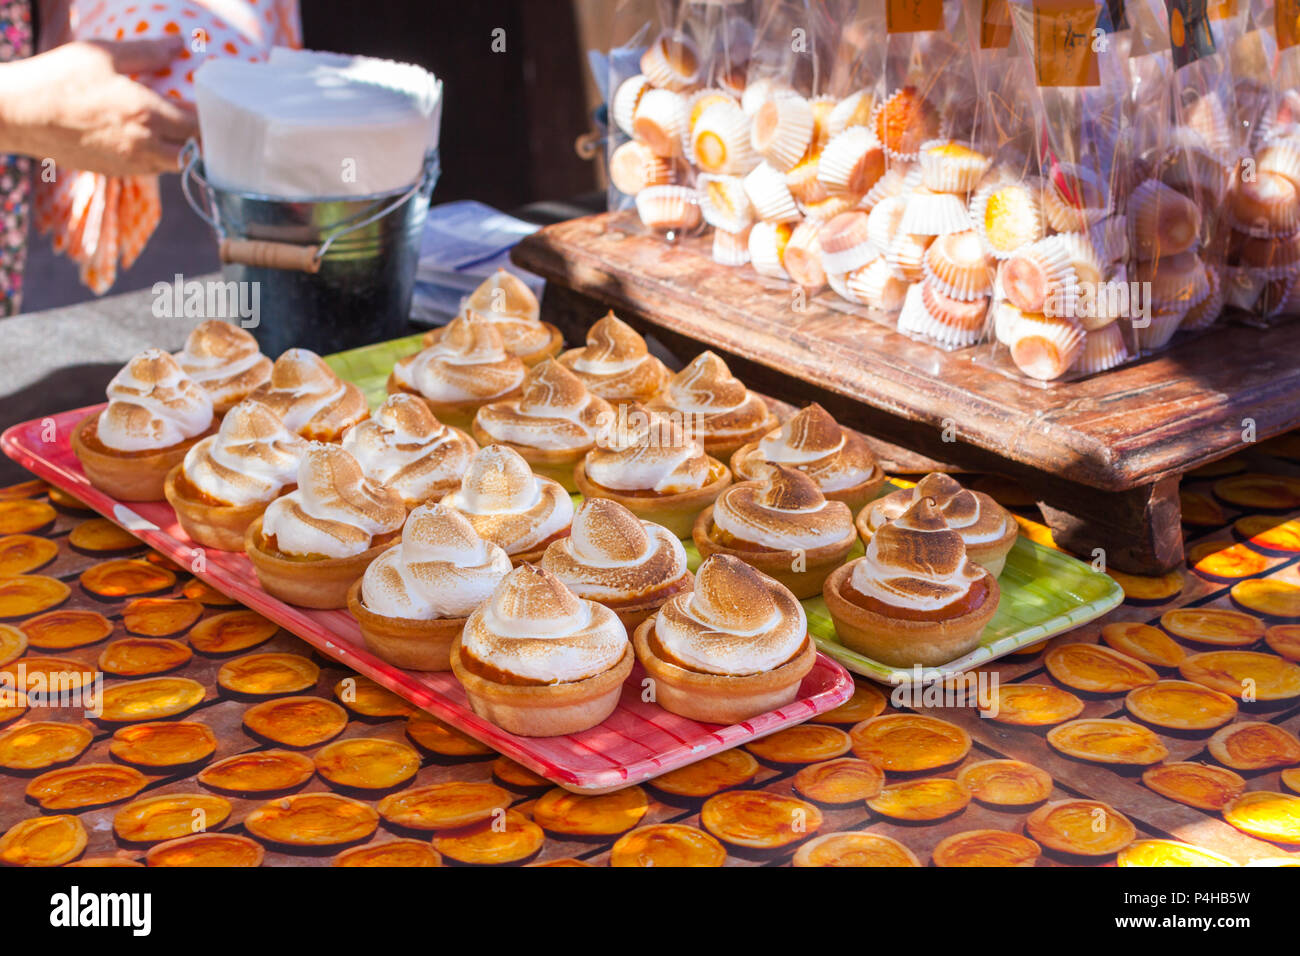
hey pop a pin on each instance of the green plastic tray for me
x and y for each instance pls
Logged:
(1044, 592)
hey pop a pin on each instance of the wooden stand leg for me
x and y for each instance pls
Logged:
(1139, 530)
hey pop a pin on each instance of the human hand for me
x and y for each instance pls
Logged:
(76, 105)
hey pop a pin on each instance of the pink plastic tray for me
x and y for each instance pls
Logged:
(639, 740)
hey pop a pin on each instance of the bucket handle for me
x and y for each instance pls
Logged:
(284, 255)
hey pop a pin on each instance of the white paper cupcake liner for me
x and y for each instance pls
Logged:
(874, 286)
(803, 256)
(839, 285)
(1016, 200)
(1209, 309)
(846, 244)
(1103, 349)
(724, 203)
(963, 274)
(623, 107)
(767, 241)
(634, 166)
(1162, 221)
(1041, 273)
(697, 103)
(948, 167)
(668, 208)
(854, 110)
(769, 194)
(852, 163)
(1159, 329)
(672, 62)
(1263, 207)
(884, 219)
(894, 182)
(719, 141)
(659, 121)
(1044, 349)
(906, 256)
(951, 331)
(782, 130)
(731, 248)
(934, 214)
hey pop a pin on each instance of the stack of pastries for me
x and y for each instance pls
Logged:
(452, 556)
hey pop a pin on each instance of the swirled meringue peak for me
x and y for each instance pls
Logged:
(736, 621)
(720, 404)
(784, 511)
(508, 504)
(974, 515)
(916, 561)
(152, 404)
(441, 569)
(336, 512)
(225, 360)
(310, 398)
(506, 301)
(533, 627)
(405, 447)
(467, 362)
(646, 451)
(250, 458)
(555, 412)
(813, 442)
(612, 555)
(615, 363)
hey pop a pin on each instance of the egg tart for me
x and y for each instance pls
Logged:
(516, 776)
(538, 661)
(1201, 511)
(1269, 533)
(47, 674)
(909, 743)
(20, 517)
(169, 816)
(163, 745)
(803, 744)
(207, 850)
(391, 853)
(1246, 675)
(1095, 669)
(590, 816)
(66, 501)
(41, 744)
(1005, 783)
(224, 359)
(1180, 706)
(104, 862)
(24, 553)
(986, 848)
(226, 480)
(1291, 779)
(616, 365)
(444, 806)
(667, 845)
(261, 675)
(866, 702)
(296, 721)
(1223, 561)
(310, 398)
(704, 778)
(1086, 828)
(312, 544)
(614, 558)
(1257, 491)
(143, 656)
(432, 736)
(914, 597)
(836, 458)
(490, 843)
(28, 594)
(362, 696)
(756, 821)
(734, 647)
(506, 301)
(367, 763)
(1268, 596)
(258, 772)
(1108, 741)
(231, 632)
(1142, 589)
(155, 412)
(1197, 785)
(1284, 639)
(839, 782)
(920, 801)
(1034, 705)
(1263, 815)
(987, 529)
(1144, 643)
(1168, 853)
(312, 820)
(650, 465)
(715, 406)
(855, 850)
(13, 705)
(1251, 745)
(466, 367)
(160, 617)
(13, 644)
(43, 841)
(206, 594)
(780, 524)
(126, 577)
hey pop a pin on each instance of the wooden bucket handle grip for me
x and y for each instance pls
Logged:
(271, 255)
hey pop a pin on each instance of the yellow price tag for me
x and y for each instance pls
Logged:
(1064, 38)
(913, 16)
(1286, 22)
(1222, 9)
(995, 25)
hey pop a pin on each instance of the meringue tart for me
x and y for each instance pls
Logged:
(553, 424)
(225, 361)
(781, 525)
(855, 850)
(414, 599)
(1108, 741)
(309, 397)
(667, 845)
(511, 507)
(616, 365)
(506, 301)
(837, 459)
(1080, 828)
(914, 597)
(227, 479)
(1254, 745)
(987, 529)
(734, 647)
(464, 369)
(155, 413)
(614, 558)
(651, 466)
(986, 848)
(716, 406)
(1199, 785)
(313, 543)
(538, 661)
(403, 446)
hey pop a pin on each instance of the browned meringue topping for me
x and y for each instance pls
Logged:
(717, 402)
(612, 555)
(645, 451)
(784, 511)
(555, 412)
(812, 441)
(225, 360)
(507, 504)
(310, 398)
(615, 364)
(505, 301)
(405, 446)
(468, 361)
(974, 515)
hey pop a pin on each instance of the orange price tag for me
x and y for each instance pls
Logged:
(1063, 43)
(1222, 9)
(913, 16)
(995, 25)
(1286, 22)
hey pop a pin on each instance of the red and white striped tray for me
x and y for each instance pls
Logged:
(638, 741)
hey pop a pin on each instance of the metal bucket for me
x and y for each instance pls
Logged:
(331, 273)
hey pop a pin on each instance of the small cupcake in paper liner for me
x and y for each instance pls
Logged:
(896, 181)
(1044, 347)
(1273, 258)
(873, 285)
(769, 195)
(906, 256)
(731, 248)
(660, 120)
(1208, 118)
(856, 109)
(672, 62)
(884, 219)
(950, 167)
(1103, 349)
(635, 166)
(1205, 313)
(953, 323)
(1264, 206)
(803, 255)
(903, 122)
(827, 209)
(1154, 331)
(1072, 199)
(719, 141)
(934, 214)
(697, 103)
(1007, 215)
(852, 163)
(1242, 287)
(627, 97)
(1174, 281)
(724, 203)
(822, 107)
(1281, 156)
(767, 244)
(1039, 273)
(1162, 221)
(1192, 169)
(846, 244)
(803, 183)
(957, 266)
(668, 209)
(782, 130)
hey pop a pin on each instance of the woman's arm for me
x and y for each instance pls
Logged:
(76, 105)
